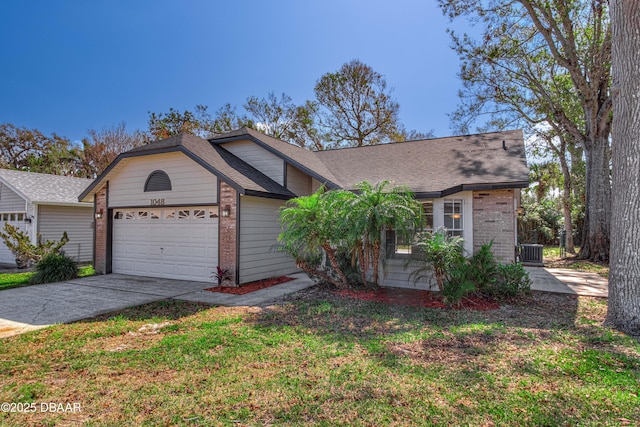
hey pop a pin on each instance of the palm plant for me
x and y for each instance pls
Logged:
(351, 221)
(437, 254)
(308, 229)
(373, 209)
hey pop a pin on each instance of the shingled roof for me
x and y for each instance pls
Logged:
(43, 188)
(233, 170)
(430, 168)
(436, 167)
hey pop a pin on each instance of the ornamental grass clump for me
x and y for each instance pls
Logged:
(55, 267)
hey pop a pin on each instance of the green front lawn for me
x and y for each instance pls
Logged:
(14, 280)
(327, 360)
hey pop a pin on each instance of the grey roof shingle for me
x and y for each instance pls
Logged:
(44, 188)
(435, 165)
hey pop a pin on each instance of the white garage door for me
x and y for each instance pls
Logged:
(17, 220)
(174, 243)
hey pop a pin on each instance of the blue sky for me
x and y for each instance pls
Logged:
(69, 66)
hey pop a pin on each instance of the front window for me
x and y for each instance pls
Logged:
(401, 245)
(427, 207)
(453, 217)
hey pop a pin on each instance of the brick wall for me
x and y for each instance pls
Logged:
(100, 245)
(228, 257)
(494, 219)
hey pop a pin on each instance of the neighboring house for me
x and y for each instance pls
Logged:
(46, 204)
(179, 207)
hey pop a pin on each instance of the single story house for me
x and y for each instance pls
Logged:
(48, 205)
(179, 207)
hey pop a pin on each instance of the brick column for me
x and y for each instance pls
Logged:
(494, 219)
(100, 230)
(227, 240)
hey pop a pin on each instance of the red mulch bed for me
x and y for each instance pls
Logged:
(417, 298)
(250, 287)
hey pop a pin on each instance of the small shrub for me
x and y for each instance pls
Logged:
(512, 280)
(221, 275)
(435, 254)
(483, 267)
(459, 283)
(55, 267)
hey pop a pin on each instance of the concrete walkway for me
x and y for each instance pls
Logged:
(34, 307)
(567, 281)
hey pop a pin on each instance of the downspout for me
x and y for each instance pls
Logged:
(34, 222)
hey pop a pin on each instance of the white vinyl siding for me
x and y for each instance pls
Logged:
(396, 275)
(53, 221)
(261, 159)
(10, 201)
(259, 229)
(298, 182)
(6, 256)
(191, 183)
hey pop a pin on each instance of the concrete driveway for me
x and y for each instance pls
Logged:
(34, 307)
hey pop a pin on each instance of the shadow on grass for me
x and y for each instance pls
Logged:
(168, 309)
(461, 338)
(325, 311)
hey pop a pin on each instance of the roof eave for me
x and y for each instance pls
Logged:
(272, 150)
(15, 190)
(69, 204)
(471, 187)
(267, 195)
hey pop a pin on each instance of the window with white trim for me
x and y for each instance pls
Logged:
(453, 220)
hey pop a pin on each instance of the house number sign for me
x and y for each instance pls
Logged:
(157, 202)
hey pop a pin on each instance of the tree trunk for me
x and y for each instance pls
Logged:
(568, 224)
(363, 265)
(595, 239)
(331, 254)
(376, 261)
(315, 272)
(624, 278)
(566, 200)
